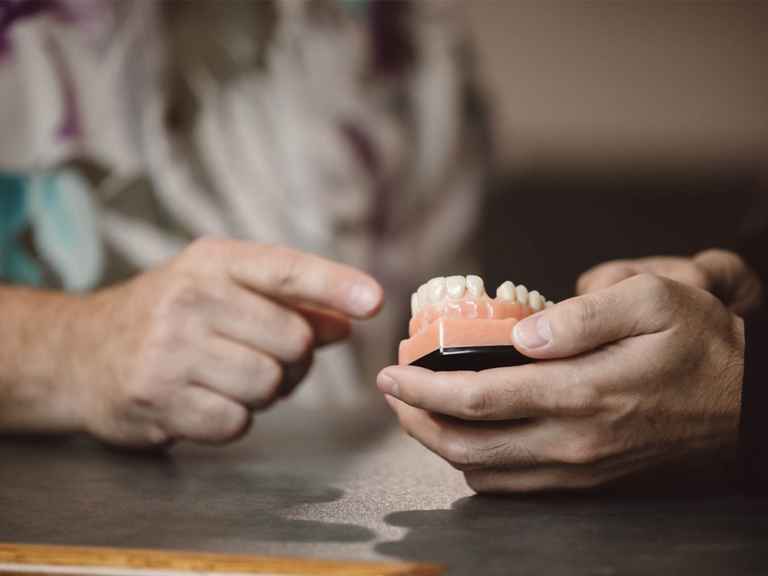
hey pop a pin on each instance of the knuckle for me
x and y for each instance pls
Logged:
(578, 401)
(587, 320)
(300, 339)
(158, 368)
(149, 392)
(475, 403)
(287, 268)
(184, 291)
(459, 453)
(226, 423)
(270, 375)
(163, 339)
(655, 288)
(581, 452)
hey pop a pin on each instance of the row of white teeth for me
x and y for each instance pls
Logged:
(455, 287)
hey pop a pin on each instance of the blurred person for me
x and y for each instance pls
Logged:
(656, 371)
(334, 142)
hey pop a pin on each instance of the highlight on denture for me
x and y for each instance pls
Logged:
(455, 317)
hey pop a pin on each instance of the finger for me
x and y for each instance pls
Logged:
(471, 445)
(200, 415)
(733, 281)
(686, 271)
(293, 374)
(247, 317)
(329, 326)
(638, 305)
(604, 275)
(683, 270)
(501, 458)
(544, 479)
(238, 372)
(285, 273)
(496, 394)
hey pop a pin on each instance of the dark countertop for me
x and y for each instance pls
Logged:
(353, 486)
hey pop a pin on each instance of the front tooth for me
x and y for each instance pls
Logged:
(535, 301)
(521, 292)
(422, 295)
(455, 287)
(475, 286)
(549, 304)
(435, 289)
(414, 304)
(506, 291)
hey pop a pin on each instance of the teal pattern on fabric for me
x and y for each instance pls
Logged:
(15, 264)
(65, 223)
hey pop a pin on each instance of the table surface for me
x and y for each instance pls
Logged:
(354, 486)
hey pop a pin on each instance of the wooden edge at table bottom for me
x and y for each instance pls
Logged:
(44, 560)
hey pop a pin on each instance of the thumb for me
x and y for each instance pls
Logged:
(573, 326)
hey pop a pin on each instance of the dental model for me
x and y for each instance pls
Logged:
(455, 325)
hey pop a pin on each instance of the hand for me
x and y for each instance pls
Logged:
(642, 378)
(189, 349)
(723, 273)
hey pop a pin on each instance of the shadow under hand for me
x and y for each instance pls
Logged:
(77, 494)
(698, 531)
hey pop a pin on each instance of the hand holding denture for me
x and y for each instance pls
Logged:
(640, 379)
(188, 349)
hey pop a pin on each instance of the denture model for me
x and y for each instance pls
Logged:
(455, 325)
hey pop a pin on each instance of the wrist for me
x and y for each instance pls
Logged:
(37, 392)
(73, 353)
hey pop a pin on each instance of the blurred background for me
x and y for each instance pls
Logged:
(631, 128)
(352, 129)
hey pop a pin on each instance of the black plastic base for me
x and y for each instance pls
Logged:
(474, 358)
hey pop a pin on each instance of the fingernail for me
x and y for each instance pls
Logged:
(363, 297)
(533, 332)
(388, 386)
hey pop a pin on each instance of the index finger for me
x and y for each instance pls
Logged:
(498, 394)
(604, 275)
(289, 274)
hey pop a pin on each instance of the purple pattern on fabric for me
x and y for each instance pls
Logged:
(366, 153)
(14, 10)
(362, 146)
(70, 126)
(385, 191)
(392, 48)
